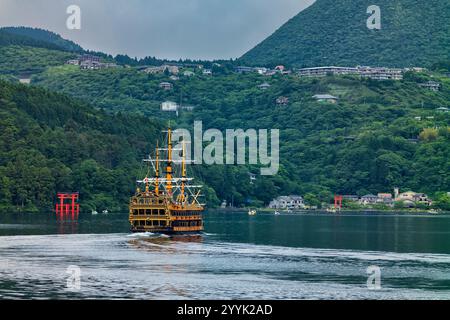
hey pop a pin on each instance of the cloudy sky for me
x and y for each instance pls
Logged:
(208, 29)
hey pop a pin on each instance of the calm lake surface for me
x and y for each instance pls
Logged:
(302, 256)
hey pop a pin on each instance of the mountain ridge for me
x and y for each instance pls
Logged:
(335, 33)
(37, 37)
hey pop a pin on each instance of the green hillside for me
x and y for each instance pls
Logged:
(50, 143)
(380, 135)
(329, 32)
(36, 37)
(16, 60)
(9, 39)
(364, 144)
(27, 51)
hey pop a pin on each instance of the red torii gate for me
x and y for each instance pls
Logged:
(338, 201)
(64, 209)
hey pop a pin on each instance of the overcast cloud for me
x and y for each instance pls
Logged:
(202, 29)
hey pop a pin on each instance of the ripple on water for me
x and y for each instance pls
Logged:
(150, 266)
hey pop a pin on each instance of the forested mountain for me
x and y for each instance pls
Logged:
(380, 134)
(36, 37)
(329, 32)
(51, 143)
(8, 39)
(364, 144)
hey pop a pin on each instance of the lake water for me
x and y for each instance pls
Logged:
(307, 256)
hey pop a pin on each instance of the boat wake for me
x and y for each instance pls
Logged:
(140, 235)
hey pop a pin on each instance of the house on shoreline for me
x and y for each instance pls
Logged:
(408, 199)
(368, 199)
(411, 198)
(292, 202)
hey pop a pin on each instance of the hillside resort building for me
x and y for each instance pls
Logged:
(375, 73)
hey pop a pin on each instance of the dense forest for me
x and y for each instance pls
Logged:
(364, 144)
(37, 38)
(51, 143)
(90, 136)
(329, 32)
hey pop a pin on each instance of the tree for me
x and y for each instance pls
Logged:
(442, 201)
(429, 134)
(311, 200)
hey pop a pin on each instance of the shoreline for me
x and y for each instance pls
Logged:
(342, 211)
(264, 210)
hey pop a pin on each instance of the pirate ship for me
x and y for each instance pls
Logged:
(166, 203)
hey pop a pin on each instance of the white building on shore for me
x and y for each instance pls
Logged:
(287, 202)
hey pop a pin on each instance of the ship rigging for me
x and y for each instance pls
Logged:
(169, 203)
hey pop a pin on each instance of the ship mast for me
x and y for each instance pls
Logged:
(169, 163)
(183, 173)
(166, 185)
(157, 170)
(146, 179)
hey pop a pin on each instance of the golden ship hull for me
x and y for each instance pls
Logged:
(158, 215)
